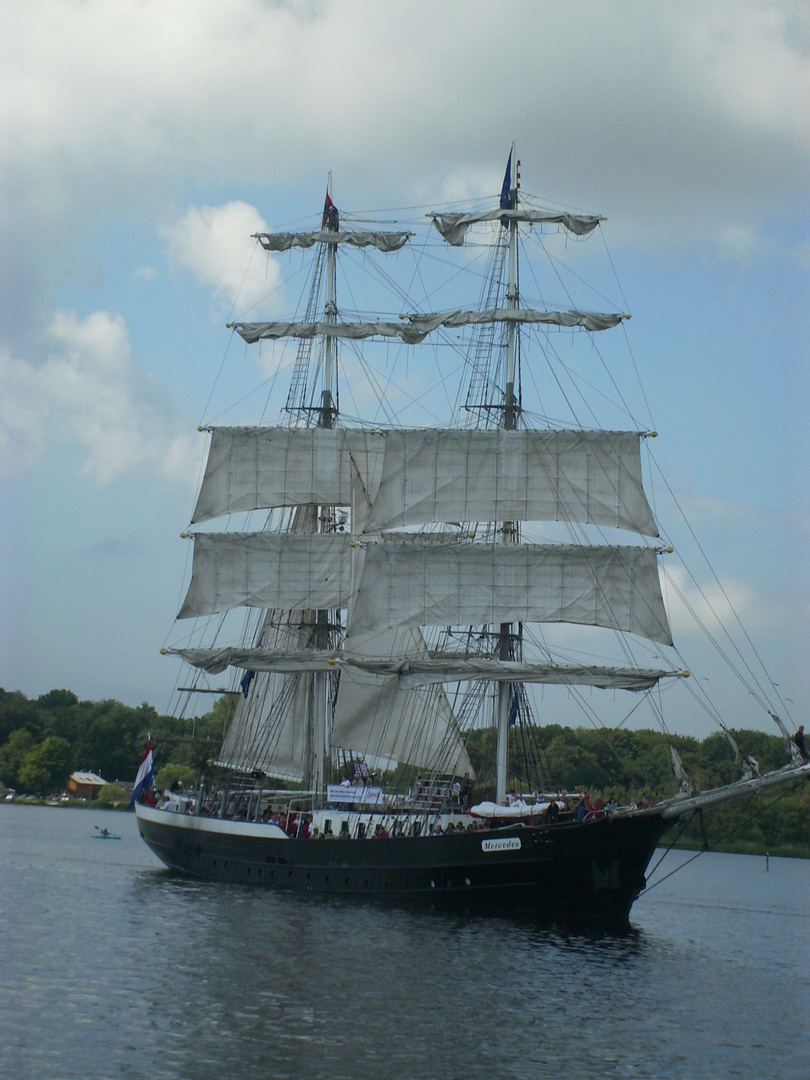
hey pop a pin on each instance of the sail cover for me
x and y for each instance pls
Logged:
(454, 226)
(420, 476)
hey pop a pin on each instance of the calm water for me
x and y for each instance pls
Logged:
(111, 967)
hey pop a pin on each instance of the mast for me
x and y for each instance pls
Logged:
(509, 197)
(318, 728)
(391, 701)
(331, 223)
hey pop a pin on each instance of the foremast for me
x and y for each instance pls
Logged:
(509, 645)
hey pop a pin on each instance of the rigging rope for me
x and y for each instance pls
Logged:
(709, 847)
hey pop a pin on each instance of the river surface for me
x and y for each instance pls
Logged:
(112, 967)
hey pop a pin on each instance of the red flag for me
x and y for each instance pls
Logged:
(328, 207)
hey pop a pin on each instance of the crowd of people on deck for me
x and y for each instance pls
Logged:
(299, 824)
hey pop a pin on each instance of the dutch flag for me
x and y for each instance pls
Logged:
(146, 774)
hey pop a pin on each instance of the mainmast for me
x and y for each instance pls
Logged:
(506, 641)
(318, 726)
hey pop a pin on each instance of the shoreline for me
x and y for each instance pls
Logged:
(742, 847)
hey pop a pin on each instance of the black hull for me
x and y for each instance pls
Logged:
(584, 872)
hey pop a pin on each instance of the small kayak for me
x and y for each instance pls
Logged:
(103, 834)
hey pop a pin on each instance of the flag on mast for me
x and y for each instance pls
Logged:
(506, 190)
(146, 774)
(330, 213)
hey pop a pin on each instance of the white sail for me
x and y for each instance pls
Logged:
(259, 467)
(408, 582)
(478, 475)
(430, 582)
(411, 477)
(379, 715)
(453, 226)
(382, 241)
(268, 732)
(288, 571)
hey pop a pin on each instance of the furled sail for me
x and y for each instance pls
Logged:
(453, 226)
(424, 671)
(413, 329)
(284, 241)
(412, 477)
(356, 331)
(589, 320)
(424, 581)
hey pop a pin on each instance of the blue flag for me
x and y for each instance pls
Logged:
(506, 190)
(247, 679)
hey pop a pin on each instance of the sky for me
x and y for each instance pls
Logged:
(142, 144)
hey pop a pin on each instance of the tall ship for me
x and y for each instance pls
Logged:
(383, 597)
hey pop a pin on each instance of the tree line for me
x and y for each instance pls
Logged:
(43, 740)
(634, 765)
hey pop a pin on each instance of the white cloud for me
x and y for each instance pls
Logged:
(712, 608)
(90, 393)
(118, 102)
(214, 243)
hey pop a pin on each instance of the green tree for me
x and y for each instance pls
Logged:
(13, 754)
(16, 711)
(46, 767)
(574, 767)
(57, 699)
(112, 795)
(165, 776)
